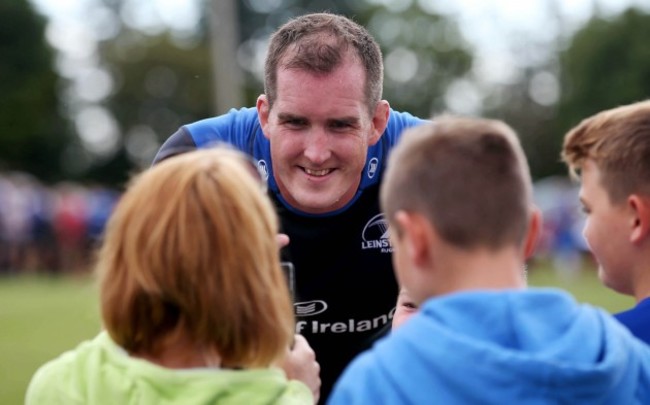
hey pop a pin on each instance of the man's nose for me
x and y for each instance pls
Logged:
(317, 148)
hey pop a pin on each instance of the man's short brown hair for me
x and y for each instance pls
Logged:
(618, 141)
(468, 176)
(319, 43)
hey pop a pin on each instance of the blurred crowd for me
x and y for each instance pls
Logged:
(50, 229)
(561, 241)
(55, 228)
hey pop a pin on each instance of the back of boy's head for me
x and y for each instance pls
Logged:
(618, 142)
(191, 247)
(469, 177)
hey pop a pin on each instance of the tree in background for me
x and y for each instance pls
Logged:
(533, 121)
(606, 64)
(603, 64)
(161, 83)
(33, 133)
(424, 52)
(159, 86)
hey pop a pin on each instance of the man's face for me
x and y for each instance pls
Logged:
(606, 231)
(319, 129)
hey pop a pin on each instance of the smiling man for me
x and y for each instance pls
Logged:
(322, 133)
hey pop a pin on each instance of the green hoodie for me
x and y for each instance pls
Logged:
(100, 372)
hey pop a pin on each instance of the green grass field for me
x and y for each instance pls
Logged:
(585, 287)
(42, 317)
(39, 319)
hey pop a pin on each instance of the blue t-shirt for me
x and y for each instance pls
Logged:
(637, 320)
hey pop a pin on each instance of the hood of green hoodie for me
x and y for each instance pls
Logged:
(100, 372)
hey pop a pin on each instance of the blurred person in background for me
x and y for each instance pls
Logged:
(43, 243)
(70, 221)
(610, 153)
(15, 213)
(194, 304)
(50, 228)
(322, 133)
(480, 336)
(26, 242)
(5, 189)
(100, 203)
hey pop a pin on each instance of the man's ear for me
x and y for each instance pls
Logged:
(263, 111)
(415, 237)
(533, 233)
(379, 121)
(640, 221)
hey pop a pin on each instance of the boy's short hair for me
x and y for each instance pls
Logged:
(468, 176)
(191, 248)
(618, 141)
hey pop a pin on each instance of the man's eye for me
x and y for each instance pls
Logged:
(340, 125)
(295, 123)
(410, 305)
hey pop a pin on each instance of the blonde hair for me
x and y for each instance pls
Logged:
(191, 245)
(618, 141)
(469, 177)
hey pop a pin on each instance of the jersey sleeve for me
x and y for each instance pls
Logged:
(181, 141)
(238, 128)
(397, 123)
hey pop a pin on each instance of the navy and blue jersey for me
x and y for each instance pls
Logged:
(345, 288)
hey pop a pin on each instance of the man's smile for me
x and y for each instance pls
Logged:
(317, 173)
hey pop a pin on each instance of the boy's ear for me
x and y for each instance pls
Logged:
(414, 237)
(533, 232)
(640, 207)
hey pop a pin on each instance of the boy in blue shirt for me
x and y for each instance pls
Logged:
(610, 152)
(458, 196)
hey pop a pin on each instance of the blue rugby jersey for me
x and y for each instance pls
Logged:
(345, 286)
